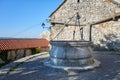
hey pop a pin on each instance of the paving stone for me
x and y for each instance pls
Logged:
(34, 69)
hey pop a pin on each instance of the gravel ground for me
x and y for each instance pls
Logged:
(33, 69)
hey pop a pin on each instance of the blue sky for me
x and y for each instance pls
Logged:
(23, 18)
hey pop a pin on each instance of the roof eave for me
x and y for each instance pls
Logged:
(57, 8)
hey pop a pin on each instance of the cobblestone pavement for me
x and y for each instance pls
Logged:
(34, 69)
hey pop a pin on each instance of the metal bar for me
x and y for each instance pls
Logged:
(107, 19)
(63, 27)
(68, 24)
(90, 33)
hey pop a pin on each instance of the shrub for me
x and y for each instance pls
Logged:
(38, 49)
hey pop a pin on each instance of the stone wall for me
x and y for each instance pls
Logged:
(17, 54)
(11, 55)
(89, 10)
(105, 35)
(28, 52)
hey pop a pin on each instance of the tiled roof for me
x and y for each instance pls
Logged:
(10, 44)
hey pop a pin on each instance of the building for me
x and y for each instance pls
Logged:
(100, 20)
(13, 49)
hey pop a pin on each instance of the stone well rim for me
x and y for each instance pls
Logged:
(70, 43)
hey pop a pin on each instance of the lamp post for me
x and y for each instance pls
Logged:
(44, 26)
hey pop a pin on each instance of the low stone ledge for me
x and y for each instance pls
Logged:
(9, 67)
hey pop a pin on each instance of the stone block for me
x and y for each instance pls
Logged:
(28, 52)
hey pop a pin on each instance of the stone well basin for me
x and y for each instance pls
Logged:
(72, 55)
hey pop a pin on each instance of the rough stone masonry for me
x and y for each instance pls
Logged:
(105, 35)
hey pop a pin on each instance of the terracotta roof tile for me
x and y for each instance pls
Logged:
(9, 44)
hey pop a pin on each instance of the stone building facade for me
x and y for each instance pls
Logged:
(102, 15)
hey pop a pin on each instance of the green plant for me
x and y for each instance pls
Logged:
(38, 49)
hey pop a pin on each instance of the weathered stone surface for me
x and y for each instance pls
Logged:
(11, 55)
(45, 34)
(19, 54)
(90, 10)
(28, 52)
(73, 55)
(33, 69)
(105, 35)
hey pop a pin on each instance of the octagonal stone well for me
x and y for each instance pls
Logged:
(72, 55)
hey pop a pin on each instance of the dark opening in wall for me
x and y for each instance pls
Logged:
(78, 1)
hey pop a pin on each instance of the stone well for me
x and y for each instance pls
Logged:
(74, 55)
